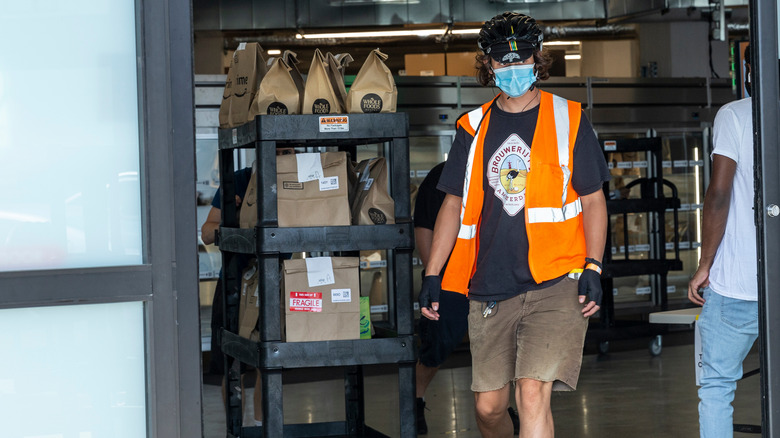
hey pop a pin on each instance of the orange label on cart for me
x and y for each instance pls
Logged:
(334, 123)
(305, 301)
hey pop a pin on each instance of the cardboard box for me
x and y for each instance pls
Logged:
(321, 305)
(461, 64)
(315, 202)
(424, 64)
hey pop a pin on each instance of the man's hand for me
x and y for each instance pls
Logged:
(429, 297)
(589, 287)
(700, 280)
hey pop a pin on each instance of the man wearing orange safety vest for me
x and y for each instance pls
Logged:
(525, 221)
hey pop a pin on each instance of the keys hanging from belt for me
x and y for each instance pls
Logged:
(489, 309)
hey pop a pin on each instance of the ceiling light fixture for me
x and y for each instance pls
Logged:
(371, 2)
(372, 34)
(562, 43)
(273, 52)
(572, 57)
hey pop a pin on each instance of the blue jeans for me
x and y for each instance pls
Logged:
(728, 329)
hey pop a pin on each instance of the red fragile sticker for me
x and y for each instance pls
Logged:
(305, 301)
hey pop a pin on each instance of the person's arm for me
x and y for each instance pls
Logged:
(594, 218)
(423, 239)
(713, 224)
(209, 228)
(445, 233)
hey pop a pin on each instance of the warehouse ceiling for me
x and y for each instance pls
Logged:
(281, 25)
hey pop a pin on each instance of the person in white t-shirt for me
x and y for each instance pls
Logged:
(726, 282)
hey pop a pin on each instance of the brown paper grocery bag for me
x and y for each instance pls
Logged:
(337, 65)
(291, 58)
(372, 204)
(250, 69)
(327, 311)
(249, 305)
(247, 215)
(318, 202)
(227, 94)
(373, 90)
(277, 94)
(319, 96)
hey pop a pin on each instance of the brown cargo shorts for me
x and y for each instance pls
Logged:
(537, 335)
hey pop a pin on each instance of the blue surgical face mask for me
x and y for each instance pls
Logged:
(515, 80)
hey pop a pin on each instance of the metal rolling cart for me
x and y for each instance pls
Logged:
(651, 246)
(267, 242)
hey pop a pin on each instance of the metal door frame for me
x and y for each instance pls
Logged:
(766, 131)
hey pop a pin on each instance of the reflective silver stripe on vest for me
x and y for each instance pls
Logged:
(561, 112)
(549, 214)
(475, 116)
(467, 231)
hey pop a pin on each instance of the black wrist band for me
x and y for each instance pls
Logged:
(594, 261)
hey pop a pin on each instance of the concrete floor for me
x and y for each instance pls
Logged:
(623, 394)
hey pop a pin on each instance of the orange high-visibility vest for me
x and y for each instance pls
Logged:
(553, 219)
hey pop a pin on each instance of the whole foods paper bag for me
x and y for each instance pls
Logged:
(291, 58)
(250, 69)
(337, 65)
(227, 94)
(312, 196)
(249, 305)
(319, 96)
(326, 309)
(277, 93)
(372, 205)
(373, 90)
(247, 216)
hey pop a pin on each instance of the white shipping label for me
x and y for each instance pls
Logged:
(241, 46)
(319, 271)
(381, 308)
(644, 290)
(369, 183)
(611, 165)
(235, 136)
(643, 247)
(341, 295)
(640, 164)
(329, 183)
(422, 173)
(625, 164)
(671, 289)
(694, 163)
(680, 163)
(685, 245)
(309, 167)
(666, 164)
(614, 291)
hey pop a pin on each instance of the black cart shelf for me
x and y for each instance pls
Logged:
(653, 201)
(267, 242)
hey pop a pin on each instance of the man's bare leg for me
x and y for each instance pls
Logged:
(533, 406)
(492, 416)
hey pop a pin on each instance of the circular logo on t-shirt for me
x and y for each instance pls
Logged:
(320, 106)
(371, 103)
(277, 108)
(507, 171)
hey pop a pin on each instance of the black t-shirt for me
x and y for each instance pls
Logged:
(240, 184)
(502, 261)
(429, 201)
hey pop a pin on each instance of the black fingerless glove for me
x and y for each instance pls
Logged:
(590, 282)
(430, 291)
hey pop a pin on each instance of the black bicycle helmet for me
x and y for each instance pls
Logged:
(510, 27)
